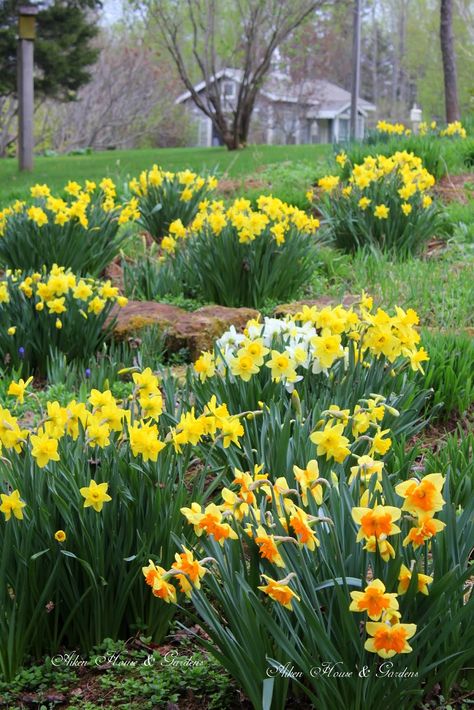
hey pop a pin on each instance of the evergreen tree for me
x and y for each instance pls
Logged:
(63, 48)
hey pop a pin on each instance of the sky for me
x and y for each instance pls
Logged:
(112, 11)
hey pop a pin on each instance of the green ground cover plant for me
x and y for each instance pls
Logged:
(129, 674)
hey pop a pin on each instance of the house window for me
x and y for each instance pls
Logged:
(228, 89)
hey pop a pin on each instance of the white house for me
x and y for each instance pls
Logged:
(313, 111)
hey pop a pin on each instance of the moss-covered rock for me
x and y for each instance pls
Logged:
(195, 331)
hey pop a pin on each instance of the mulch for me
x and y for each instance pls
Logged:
(456, 188)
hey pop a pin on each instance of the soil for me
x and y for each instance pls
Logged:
(456, 188)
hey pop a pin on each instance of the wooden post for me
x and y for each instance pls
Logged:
(26, 37)
(355, 87)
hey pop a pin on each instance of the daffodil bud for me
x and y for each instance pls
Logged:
(296, 403)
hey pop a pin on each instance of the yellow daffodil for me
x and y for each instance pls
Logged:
(378, 522)
(374, 600)
(279, 591)
(95, 495)
(388, 640)
(11, 503)
(422, 498)
(17, 389)
(404, 579)
(331, 442)
(44, 449)
(191, 571)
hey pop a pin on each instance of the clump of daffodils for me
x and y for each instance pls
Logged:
(424, 129)
(268, 520)
(163, 197)
(79, 228)
(454, 129)
(273, 217)
(313, 341)
(245, 255)
(391, 129)
(385, 203)
(104, 421)
(53, 308)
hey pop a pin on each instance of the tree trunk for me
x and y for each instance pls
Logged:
(449, 61)
(375, 55)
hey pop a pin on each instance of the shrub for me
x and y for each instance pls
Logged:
(328, 570)
(82, 232)
(87, 495)
(164, 198)
(384, 206)
(242, 257)
(449, 372)
(53, 311)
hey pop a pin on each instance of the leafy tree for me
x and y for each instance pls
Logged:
(63, 49)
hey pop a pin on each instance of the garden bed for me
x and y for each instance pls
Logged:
(230, 467)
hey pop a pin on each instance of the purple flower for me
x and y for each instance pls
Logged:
(21, 352)
(87, 372)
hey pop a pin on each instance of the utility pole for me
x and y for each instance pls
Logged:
(26, 37)
(355, 87)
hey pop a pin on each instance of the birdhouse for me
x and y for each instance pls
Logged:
(27, 21)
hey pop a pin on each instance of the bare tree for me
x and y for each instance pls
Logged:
(449, 61)
(465, 10)
(219, 33)
(8, 123)
(130, 99)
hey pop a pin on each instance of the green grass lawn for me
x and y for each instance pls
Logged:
(121, 164)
